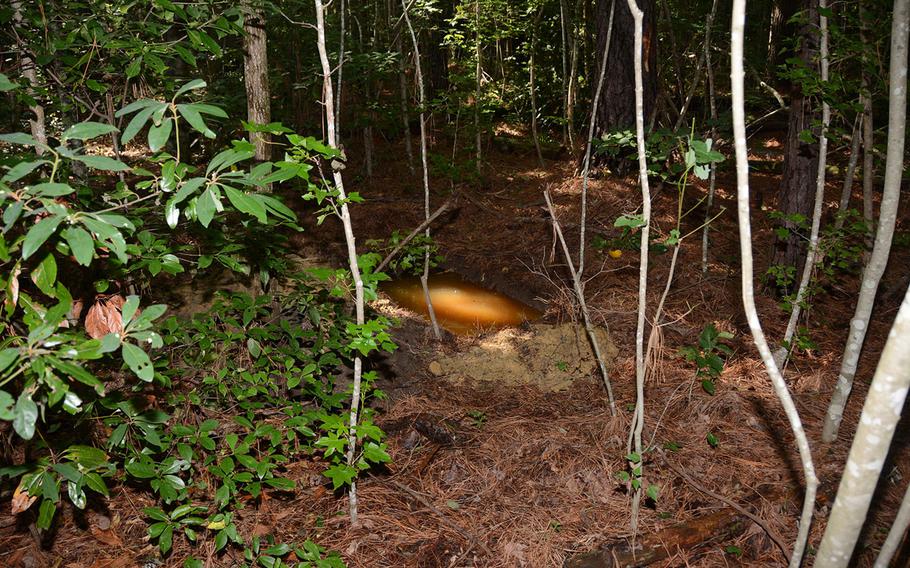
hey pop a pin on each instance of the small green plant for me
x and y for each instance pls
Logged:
(410, 259)
(632, 476)
(478, 418)
(712, 440)
(708, 356)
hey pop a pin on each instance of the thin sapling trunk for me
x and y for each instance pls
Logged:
(737, 36)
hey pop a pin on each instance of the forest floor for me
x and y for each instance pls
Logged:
(505, 473)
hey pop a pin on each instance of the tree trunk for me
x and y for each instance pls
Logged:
(616, 110)
(894, 165)
(795, 195)
(748, 291)
(36, 123)
(256, 77)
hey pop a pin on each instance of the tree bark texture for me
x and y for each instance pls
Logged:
(616, 109)
(256, 77)
(795, 195)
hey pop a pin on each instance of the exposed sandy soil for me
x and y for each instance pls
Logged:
(506, 473)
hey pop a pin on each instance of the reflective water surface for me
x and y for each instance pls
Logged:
(460, 306)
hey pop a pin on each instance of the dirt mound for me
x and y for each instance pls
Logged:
(550, 357)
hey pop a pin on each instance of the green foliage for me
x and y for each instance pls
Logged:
(410, 259)
(273, 360)
(708, 356)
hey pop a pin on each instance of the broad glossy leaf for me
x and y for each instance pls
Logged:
(81, 244)
(25, 415)
(195, 120)
(103, 163)
(191, 86)
(22, 169)
(45, 275)
(51, 189)
(87, 131)
(246, 204)
(138, 361)
(137, 123)
(159, 134)
(39, 233)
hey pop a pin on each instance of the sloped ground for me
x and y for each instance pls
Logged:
(503, 474)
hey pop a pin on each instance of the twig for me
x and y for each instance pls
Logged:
(772, 534)
(414, 233)
(580, 293)
(462, 531)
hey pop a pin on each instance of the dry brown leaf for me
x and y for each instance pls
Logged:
(21, 501)
(104, 317)
(12, 297)
(107, 537)
(116, 300)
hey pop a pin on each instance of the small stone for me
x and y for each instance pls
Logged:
(103, 522)
(435, 368)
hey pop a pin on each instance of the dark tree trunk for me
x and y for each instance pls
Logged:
(797, 187)
(616, 109)
(256, 76)
(437, 57)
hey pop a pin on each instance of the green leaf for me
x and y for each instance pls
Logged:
(137, 123)
(653, 492)
(103, 163)
(341, 474)
(7, 356)
(21, 139)
(81, 244)
(51, 189)
(129, 308)
(95, 483)
(46, 514)
(6, 84)
(133, 68)
(166, 539)
(6, 406)
(159, 134)
(192, 85)
(39, 233)
(87, 131)
(281, 483)
(45, 275)
(708, 386)
(78, 373)
(141, 470)
(76, 494)
(136, 105)
(25, 415)
(195, 120)
(22, 169)
(138, 361)
(206, 206)
(246, 204)
(155, 513)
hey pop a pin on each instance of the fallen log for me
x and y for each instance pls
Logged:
(722, 525)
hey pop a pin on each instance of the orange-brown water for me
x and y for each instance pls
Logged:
(460, 306)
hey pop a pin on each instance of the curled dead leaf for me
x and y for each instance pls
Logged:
(21, 501)
(104, 317)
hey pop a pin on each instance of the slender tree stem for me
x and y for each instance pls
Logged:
(351, 247)
(424, 279)
(894, 164)
(737, 35)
